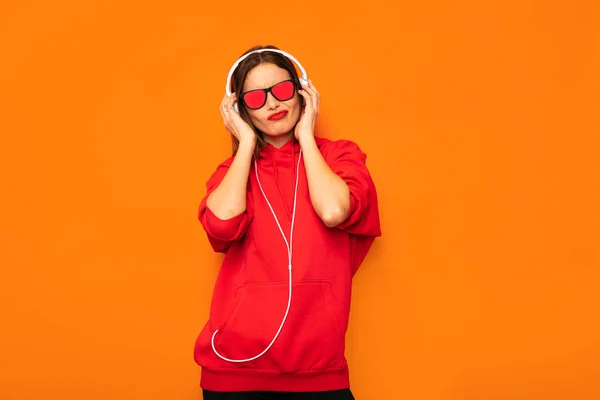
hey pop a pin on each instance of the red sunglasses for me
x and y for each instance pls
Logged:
(282, 91)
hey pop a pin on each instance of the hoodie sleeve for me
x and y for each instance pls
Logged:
(348, 161)
(222, 233)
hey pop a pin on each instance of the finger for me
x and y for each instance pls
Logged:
(307, 97)
(308, 104)
(223, 105)
(318, 95)
(229, 103)
(225, 100)
(234, 119)
(314, 95)
(311, 87)
(225, 109)
(306, 89)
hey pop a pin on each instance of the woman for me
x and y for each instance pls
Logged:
(295, 215)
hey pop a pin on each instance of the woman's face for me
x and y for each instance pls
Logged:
(276, 118)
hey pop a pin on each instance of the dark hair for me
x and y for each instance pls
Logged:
(237, 84)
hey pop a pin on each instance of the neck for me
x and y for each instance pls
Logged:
(278, 141)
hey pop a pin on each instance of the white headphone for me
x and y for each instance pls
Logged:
(289, 245)
(303, 79)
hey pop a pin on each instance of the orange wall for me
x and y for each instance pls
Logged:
(481, 124)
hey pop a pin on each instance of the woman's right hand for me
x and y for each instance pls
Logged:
(233, 122)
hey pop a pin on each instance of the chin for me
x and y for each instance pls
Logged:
(275, 131)
(278, 133)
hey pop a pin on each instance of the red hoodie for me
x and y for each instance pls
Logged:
(251, 294)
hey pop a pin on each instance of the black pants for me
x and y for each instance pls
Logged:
(344, 394)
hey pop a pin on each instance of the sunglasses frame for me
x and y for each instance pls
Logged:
(267, 91)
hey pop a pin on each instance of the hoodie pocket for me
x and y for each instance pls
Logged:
(310, 339)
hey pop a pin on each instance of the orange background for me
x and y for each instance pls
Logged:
(480, 120)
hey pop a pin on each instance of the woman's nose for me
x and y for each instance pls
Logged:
(272, 102)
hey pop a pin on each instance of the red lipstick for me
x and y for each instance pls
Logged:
(278, 115)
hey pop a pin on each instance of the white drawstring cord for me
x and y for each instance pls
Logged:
(289, 248)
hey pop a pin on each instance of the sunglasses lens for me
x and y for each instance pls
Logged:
(255, 99)
(283, 91)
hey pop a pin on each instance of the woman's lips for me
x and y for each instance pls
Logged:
(276, 116)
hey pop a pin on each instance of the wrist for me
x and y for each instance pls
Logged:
(247, 145)
(306, 138)
(248, 139)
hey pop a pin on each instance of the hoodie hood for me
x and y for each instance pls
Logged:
(289, 148)
(281, 164)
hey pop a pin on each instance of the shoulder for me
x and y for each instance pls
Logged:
(335, 149)
(224, 164)
(218, 173)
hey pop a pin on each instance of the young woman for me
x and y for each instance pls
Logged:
(295, 216)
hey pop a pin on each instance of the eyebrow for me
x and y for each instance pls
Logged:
(261, 88)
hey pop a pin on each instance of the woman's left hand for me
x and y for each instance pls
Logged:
(306, 125)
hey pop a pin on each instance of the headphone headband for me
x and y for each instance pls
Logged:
(303, 79)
